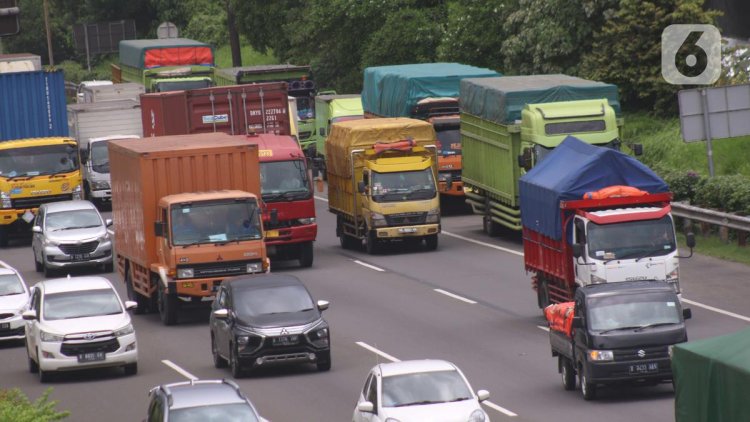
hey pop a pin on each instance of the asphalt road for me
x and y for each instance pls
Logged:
(469, 302)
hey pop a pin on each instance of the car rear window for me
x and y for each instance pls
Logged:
(239, 412)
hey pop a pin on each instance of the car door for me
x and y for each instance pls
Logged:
(37, 245)
(369, 393)
(222, 327)
(32, 326)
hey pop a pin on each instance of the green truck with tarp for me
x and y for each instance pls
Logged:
(425, 91)
(332, 108)
(510, 123)
(300, 83)
(712, 378)
(170, 64)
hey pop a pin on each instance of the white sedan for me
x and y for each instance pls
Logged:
(419, 390)
(13, 299)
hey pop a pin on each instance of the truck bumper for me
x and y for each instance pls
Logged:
(196, 287)
(455, 188)
(407, 231)
(631, 371)
(290, 235)
(102, 195)
(13, 216)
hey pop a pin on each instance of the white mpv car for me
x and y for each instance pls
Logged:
(13, 299)
(78, 323)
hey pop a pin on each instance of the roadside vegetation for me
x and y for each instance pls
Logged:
(16, 407)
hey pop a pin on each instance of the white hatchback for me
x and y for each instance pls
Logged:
(78, 323)
(419, 390)
(13, 299)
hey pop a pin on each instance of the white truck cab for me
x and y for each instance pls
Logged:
(95, 161)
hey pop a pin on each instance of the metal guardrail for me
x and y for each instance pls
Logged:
(717, 218)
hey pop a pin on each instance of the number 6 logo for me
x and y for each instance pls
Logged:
(691, 54)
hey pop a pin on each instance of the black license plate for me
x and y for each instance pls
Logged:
(5, 326)
(81, 257)
(644, 368)
(91, 357)
(285, 340)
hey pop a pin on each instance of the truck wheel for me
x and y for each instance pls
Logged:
(347, 242)
(167, 307)
(372, 243)
(306, 255)
(588, 389)
(490, 227)
(542, 294)
(568, 373)
(431, 242)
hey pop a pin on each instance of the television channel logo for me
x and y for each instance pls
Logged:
(691, 54)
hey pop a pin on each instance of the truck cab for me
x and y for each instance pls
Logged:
(95, 161)
(331, 108)
(622, 333)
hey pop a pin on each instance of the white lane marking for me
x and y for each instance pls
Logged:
(320, 198)
(721, 311)
(179, 370)
(455, 296)
(543, 328)
(377, 352)
(394, 359)
(489, 245)
(364, 264)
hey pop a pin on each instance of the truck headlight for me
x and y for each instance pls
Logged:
(77, 192)
(601, 355)
(185, 273)
(254, 267)
(49, 337)
(99, 184)
(597, 280)
(377, 220)
(433, 216)
(5, 199)
(306, 221)
(128, 329)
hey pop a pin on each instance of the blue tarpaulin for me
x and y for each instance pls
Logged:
(571, 170)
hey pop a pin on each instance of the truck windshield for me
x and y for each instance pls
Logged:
(38, 160)
(632, 311)
(284, 181)
(215, 222)
(632, 239)
(403, 186)
(449, 141)
(100, 157)
(305, 108)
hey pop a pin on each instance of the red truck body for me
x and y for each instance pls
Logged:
(236, 110)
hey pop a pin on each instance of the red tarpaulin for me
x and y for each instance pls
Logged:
(178, 56)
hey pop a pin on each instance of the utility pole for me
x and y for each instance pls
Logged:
(234, 36)
(49, 34)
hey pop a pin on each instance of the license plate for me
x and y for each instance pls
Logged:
(285, 340)
(407, 230)
(644, 368)
(272, 233)
(91, 357)
(81, 257)
(5, 326)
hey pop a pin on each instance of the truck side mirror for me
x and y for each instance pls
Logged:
(638, 149)
(577, 322)
(84, 152)
(577, 250)
(690, 240)
(521, 161)
(322, 131)
(361, 186)
(525, 159)
(687, 313)
(159, 228)
(274, 217)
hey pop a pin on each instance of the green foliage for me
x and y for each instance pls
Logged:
(250, 56)
(16, 407)
(725, 193)
(207, 22)
(407, 36)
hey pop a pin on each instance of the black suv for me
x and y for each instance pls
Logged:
(269, 319)
(206, 400)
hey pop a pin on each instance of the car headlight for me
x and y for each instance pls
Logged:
(601, 355)
(48, 242)
(185, 273)
(319, 336)
(433, 216)
(242, 340)
(99, 184)
(477, 416)
(306, 220)
(77, 192)
(128, 329)
(49, 337)
(377, 220)
(254, 267)
(597, 280)
(5, 199)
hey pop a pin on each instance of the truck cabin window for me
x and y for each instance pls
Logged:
(631, 240)
(305, 108)
(449, 141)
(215, 222)
(38, 160)
(284, 181)
(632, 311)
(100, 157)
(402, 186)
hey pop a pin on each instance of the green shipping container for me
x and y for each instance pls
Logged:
(264, 73)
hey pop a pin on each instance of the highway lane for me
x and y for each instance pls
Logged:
(495, 341)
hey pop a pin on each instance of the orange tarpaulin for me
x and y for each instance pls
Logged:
(178, 56)
(560, 317)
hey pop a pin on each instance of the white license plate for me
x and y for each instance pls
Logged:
(407, 230)
(644, 368)
(81, 257)
(5, 326)
(91, 357)
(285, 340)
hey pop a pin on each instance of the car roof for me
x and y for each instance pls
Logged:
(625, 287)
(415, 366)
(202, 393)
(73, 205)
(246, 282)
(74, 284)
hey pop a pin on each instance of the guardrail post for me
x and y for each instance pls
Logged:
(741, 238)
(724, 233)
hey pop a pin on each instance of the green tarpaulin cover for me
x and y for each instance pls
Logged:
(393, 91)
(133, 52)
(712, 379)
(501, 100)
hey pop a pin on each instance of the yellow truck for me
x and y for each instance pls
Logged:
(33, 172)
(382, 185)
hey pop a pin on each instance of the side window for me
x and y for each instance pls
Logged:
(366, 388)
(580, 232)
(372, 394)
(221, 300)
(34, 301)
(155, 413)
(39, 218)
(164, 220)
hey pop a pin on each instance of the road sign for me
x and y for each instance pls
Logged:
(167, 30)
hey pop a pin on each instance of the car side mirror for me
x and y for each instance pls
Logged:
(690, 239)
(108, 222)
(687, 313)
(159, 229)
(130, 305)
(36, 229)
(361, 186)
(577, 250)
(323, 305)
(29, 315)
(577, 322)
(483, 395)
(521, 161)
(366, 407)
(221, 314)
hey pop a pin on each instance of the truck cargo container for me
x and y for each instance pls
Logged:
(20, 62)
(594, 215)
(186, 216)
(94, 120)
(511, 123)
(167, 64)
(32, 105)
(331, 108)
(382, 182)
(113, 92)
(236, 110)
(426, 91)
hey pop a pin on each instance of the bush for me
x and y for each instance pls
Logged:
(683, 185)
(15, 406)
(724, 193)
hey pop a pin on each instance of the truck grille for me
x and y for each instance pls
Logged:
(218, 269)
(36, 201)
(75, 349)
(406, 219)
(657, 352)
(77, 249)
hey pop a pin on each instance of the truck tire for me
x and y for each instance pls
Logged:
(542, 294)
(306, 255)
(144, 304)
(567, 373)
(431, 242)
(168, 304)
(490, 227)
(588, 389)
(347, 242)
(372, 243)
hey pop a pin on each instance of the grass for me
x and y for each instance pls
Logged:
(250, 56)
(711, 245)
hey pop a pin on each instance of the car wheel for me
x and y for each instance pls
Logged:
(48, 272)
(44, 376)
(324, 361)
(219, 362)
(167, 307)
(33, 366)
(431, 242)
(306, 255)
(567, 373)
(37, 265)
(108, 268)
(588, 389)
(234, 363)
(131, 369)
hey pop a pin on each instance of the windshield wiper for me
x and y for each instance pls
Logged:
(60, 172)
(656, 324)
(77, 227)
(630, 327)
(459, 399)
(416, 403)
(22, 175)
(11, 294)
(187, 245)
(423, 190)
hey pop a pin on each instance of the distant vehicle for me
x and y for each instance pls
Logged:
(264, 320)
(95, 162)
(200, 400)
(419, 390)
(78, 323)
(14, 295)
(70, 234)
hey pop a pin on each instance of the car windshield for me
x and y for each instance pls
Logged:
(632, 239)
(239, 412)
(76, 219)
(632, 310)
(403, 186)
(38, 160)
(424, 388)
(284, 180)
(450, 141)
(215, 222)
(273, 300)
(80, 304)
(100, 157)
(10, 284)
